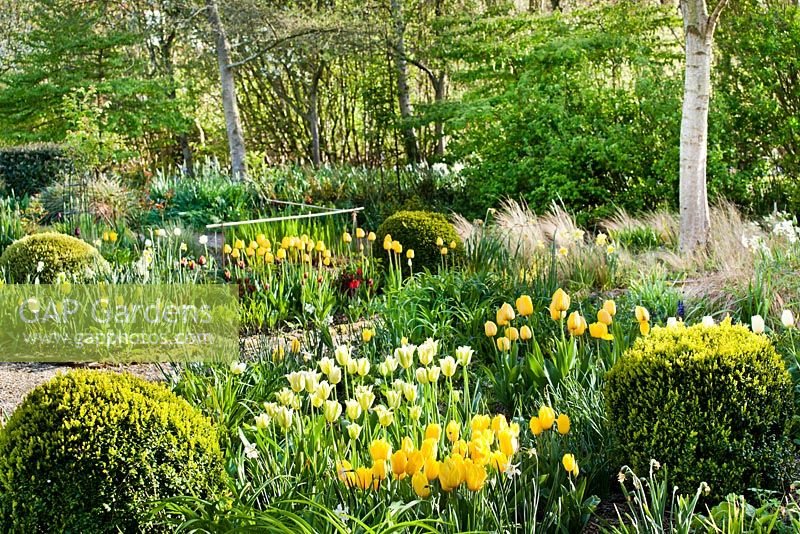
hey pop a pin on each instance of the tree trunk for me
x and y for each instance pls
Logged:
(186, 150)
(233, 122)
(401, 68)
(439, 94)
(693, 197)
(313, 116)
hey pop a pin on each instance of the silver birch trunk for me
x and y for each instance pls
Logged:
(230, 106)
(401, 68)
(693, 198)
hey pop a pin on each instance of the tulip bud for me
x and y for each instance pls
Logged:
(757, 324)
(490, 328)
(787, 318)
(332, 410)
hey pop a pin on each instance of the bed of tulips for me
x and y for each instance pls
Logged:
(374, 397)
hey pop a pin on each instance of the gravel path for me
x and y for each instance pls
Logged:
(18, 379)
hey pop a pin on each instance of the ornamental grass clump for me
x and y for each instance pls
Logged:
(712, 402)
(90, 451)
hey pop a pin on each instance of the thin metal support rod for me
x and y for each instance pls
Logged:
(285, 218)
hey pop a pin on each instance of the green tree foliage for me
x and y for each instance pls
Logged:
(758, 100)
(583, 108)
(73, 46)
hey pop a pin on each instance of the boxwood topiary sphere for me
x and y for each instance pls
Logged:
(714, 404)
(58, 253)
(420, 230)
(90, 450)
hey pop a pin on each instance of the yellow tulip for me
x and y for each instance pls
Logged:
(576, 324)
(380, 449)
(460, 447)
(475, 475)
(235, 253)
(536, 426)
(560, 300)
(452, 472)
(365, 479)
(432, 469)
(505, 314)
(227, 249)
(546, 417)
(371, 236)
(344, 470)
(415, 462)
(498, 461)
(600, 331)
(410, 254)
(439, 242)
(512, 333)
(399, 460)
(238, 244)
(642, 315)
(360, 233)
(555, 313)
(346, 237)
(420, 484)
(604, 317)
(434, 431)
(490, 328)
(452, 431)
(503, 344)
(644, 328)
(354, 430)
(407, 445)
(611, 307)
(443, 251)
(508, 442)
(563, 424)
(397, 247)
(430, 448)
(525, 305)
(499, 422)
(479, 423)
(570, 464)
(367, 334)
(525, 333)
(379, 470)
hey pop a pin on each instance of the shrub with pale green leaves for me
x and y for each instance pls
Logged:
(420, 231)
(47, 255)
(90, 451)
(713, 403)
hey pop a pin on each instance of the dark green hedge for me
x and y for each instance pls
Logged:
(26, 170)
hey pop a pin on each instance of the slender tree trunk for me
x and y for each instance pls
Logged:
(699, 34)
(401, 68)
(313, 116)
(440, 91)
(233, 122)
(186, 150)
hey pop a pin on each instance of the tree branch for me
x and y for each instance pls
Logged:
(423, 68)
(714, 17)
(278, 42)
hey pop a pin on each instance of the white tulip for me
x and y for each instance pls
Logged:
(757, 324)
(787, 318)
